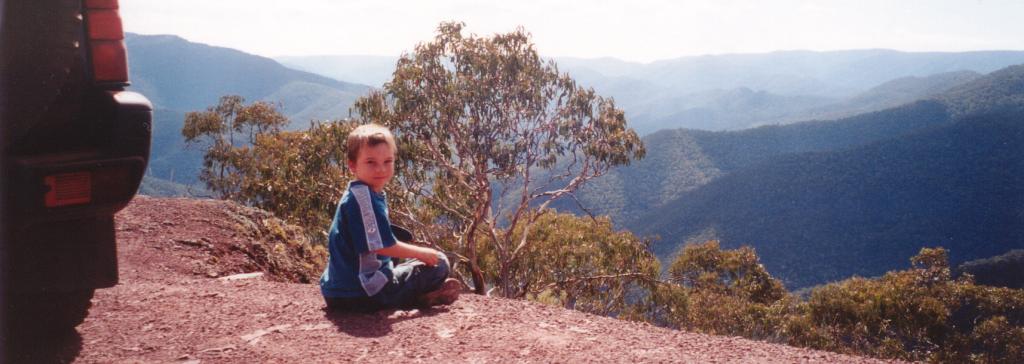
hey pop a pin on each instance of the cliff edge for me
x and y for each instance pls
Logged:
(206, 281)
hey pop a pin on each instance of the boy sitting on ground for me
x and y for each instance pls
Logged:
(360, 275)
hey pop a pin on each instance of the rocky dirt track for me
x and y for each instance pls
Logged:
(178, 302)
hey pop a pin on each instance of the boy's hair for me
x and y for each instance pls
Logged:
(368, 135)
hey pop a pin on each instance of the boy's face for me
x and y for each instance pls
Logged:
(374, 165)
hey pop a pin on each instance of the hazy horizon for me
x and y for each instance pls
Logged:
(605, 57)
(639, 31)
(683, 57)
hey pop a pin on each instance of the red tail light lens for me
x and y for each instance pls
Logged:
(105, 24)
(68, 189)
(101, 4)
(109, 61)
(106, 41)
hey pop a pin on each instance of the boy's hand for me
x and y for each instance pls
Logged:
(431, 257)
(405, 250)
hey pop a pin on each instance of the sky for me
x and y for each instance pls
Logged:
(631, 30)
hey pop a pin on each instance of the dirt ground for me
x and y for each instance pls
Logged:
(180, 300)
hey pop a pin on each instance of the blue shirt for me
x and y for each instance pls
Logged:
(360, 227)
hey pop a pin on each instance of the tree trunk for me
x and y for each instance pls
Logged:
(506, 281)
(479, 286)
(478, 279)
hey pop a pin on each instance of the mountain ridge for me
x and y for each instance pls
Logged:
(693, 92)
(180, 76)
(843, 208)
(642, 193)
(177, 74)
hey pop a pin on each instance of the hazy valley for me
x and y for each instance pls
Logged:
(856, 159)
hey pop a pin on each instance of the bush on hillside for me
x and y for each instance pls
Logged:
(727, 292)
(580, 263)
(920, 314)
(273, 246)
(916, 314)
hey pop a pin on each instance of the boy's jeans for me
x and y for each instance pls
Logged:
(412, 279)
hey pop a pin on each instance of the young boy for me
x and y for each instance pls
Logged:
(360, 275)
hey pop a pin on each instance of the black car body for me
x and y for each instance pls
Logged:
(74, 146)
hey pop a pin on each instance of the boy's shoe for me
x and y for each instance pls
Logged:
(445, 295)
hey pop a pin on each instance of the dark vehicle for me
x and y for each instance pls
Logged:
(74, 145)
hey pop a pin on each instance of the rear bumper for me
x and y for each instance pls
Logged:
(73, 247)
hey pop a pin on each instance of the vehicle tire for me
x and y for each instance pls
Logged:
(44, 317)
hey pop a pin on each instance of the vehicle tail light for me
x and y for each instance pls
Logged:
(68, 189)
(99, 183)
(106, 41)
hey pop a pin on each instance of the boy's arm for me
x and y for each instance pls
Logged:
(405, 250)
(371, 231)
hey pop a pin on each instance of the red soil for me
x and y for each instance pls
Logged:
(169, 307)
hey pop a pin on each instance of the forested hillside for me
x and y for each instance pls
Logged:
(890, 94)
(761, 186)
(1004, 270)
(170, 160)
(818, 217)
(781, 186)
(682, 160)
(1002, 90)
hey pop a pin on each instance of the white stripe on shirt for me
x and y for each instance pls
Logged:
(373, 239)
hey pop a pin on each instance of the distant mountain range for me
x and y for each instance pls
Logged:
(827, 199)
(736, 91)
(368, 70)
(904, 149)
(179, 76)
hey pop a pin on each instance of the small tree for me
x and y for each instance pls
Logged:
(484, 118)
(728, 292)
(735, 272)
(226, 130)
(584, 264)
(297, 175)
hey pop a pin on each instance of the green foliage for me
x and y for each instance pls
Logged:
(468, 113)
(920, 314)
(998, 341)
(282, 250)
(580, 263)
(917, 314)
(225, 130)
(731, 272)
(476, 112)
(297, 175)
(727, 292)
